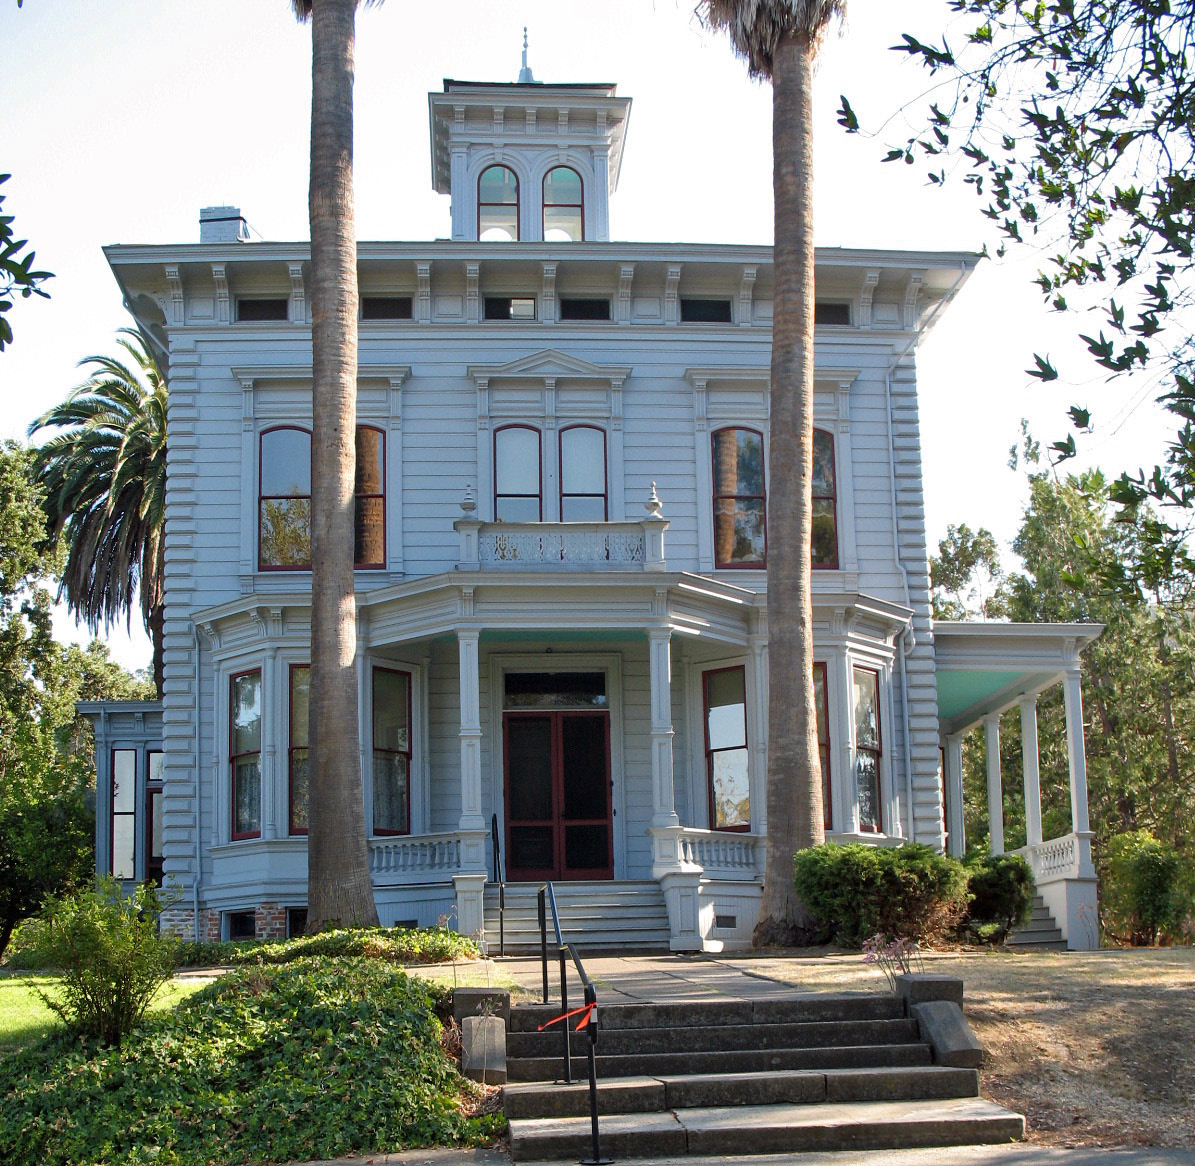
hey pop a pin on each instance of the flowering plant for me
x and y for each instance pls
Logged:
(894, 957)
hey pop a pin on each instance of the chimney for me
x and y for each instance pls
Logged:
(222, 224)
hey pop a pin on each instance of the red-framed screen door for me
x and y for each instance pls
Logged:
(558, 822)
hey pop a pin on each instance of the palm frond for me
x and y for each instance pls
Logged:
(756, 26)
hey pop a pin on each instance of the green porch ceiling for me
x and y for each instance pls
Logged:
(964, 689)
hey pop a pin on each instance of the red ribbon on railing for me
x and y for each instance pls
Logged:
(587, 1009)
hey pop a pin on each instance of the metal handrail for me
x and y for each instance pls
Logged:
(547, 895)
(494, 836)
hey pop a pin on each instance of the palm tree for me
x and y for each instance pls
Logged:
(339, 889)
(779, 39)
(104, 476)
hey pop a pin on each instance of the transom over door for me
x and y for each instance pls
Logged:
(557, 768)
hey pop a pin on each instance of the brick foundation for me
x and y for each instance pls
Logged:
(269, 921)
(180, 922)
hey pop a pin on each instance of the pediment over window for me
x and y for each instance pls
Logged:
(548, 364)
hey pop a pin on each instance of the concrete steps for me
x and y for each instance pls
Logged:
(1041, 933)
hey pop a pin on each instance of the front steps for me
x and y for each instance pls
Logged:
(1041, 933)
(622, 917)
(773, 1075)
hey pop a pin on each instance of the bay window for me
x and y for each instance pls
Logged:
(391, 751)
(868, 748)
(244, 753)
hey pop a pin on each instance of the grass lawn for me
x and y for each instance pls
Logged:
(24, 1017)
(1093, 1048)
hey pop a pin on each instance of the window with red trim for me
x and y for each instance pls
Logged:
(296, 765)
(868, 748)
(391, 751)
(369, 499)
(822, 711)
(740, 499)
(498, 205)
(724, 696)
(244, 753)
(824, 535)
(564, 206)
(517, 474)
(583, 474)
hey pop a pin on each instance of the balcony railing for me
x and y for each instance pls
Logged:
(414, 858)
(722, 853)
(1059, 859)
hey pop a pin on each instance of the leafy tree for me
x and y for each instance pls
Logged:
(966, 575)
(339, 887)
(103, 472)
(17, 273)
(779, 40)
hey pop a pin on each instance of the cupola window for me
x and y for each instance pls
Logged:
(564, 206)
(498, 205)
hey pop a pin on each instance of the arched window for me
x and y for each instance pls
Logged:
(498, 205)
(517, 474)
(825, 502)
(583, 474)
(740, 500)
(564, 206)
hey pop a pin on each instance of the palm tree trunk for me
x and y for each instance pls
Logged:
(157, 623)
(794, 794)
(339, 890)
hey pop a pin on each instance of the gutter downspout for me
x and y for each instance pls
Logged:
(908, 637)
(198, 775)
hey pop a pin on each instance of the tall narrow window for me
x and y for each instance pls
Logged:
(740, 502)
(517, 474)
(564, 206)
(825, 501)
(369, 499)
(284, 530)
(823, 740)
(498, 205)
(244, 753)
(124, 813)
(155, 772)
(725, 692)
(867, 748)
(296, 765)
(583, 474)
(391, 751)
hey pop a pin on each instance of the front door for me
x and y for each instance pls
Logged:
(557, 767)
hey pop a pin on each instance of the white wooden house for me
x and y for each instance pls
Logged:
(562, 496)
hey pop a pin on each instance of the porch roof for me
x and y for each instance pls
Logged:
(986, 667)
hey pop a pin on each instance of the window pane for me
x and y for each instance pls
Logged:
(583, 510)
(389, 792)
(155, 826)
(285, 532)
(157, 765)
(562, 184)
(583, 461)
(517, 461)
(300, 702)
(867, 712)
(246, 713)
(298, 790)
(732, 798)
(498, 184)
(285, 463)
(819, 703)
(124, 780)
(823, 464)
(123, 835)
(555, 690)
(369, 531)
(498, 224)
(739, 530)
(825, 533)
(725, 695)
(246, 815)
(391, 729)
(867, 770)
(517, 510)
(749, 463)
(562, 224)
(370, 446)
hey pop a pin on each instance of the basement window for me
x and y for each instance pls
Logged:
(518, 308)
(296, 922)
(835, 314)
(705, 311)
(385, 307)
(584, 309)
(241, 925)
(254, 311)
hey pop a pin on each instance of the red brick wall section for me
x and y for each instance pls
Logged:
(269, 921)
(180, 922)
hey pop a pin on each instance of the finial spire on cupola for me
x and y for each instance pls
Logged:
(525, 77)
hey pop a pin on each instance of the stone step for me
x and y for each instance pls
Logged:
(653, 1094)
(872, 1125)
(549, 1068)
(650, 1042)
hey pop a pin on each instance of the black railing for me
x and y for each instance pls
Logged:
(588, 1012)
(495, 837)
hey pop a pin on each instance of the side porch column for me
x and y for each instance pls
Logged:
(663, 794)
(470, 734)
(955, 827)
(1076, 752)
(757, 754)
(991, 736)
(1031, 768)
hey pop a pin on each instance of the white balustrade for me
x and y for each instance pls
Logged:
(721, 853)
(411, 858)
(559, 543)
(1059, 859)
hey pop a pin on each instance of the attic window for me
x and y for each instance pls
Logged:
(510, 308)
(584, 309)
(385, 307)
(254, 310)
(838, 314)
(705, 311)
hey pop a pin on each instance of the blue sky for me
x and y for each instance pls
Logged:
(121, 119)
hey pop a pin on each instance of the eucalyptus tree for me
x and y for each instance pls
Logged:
(339, 889)
(779, 39)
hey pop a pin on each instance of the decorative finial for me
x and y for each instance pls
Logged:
(525, 77)
(652, 505)
(469, 501)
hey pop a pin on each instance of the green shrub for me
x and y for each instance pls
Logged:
(1142, 895)
(856, 891)
(110, 954)
(1001, 889)
(318, 1059)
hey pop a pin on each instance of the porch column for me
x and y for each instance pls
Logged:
(955, 828)
(1030, 768)
(471, 818)
(660, 658)
(757, 755)
(1076, 753)
(991, 736)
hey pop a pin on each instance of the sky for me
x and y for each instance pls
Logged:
(121, 119)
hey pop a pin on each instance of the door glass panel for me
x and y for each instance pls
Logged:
(586, 847)
(585, 775)
(583, 461)
(579, 509)
(529, 758)
(517, 461)
(531, 848)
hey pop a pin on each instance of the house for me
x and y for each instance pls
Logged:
(562, 498)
